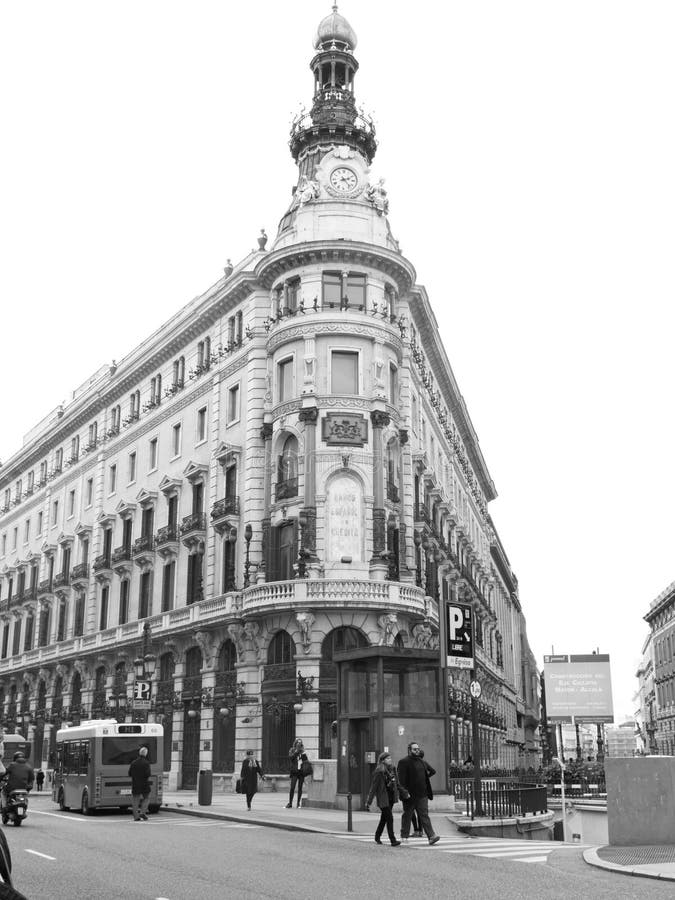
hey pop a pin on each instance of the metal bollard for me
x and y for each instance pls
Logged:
(349, 812)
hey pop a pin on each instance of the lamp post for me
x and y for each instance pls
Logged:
(248, 534)
(144, 669)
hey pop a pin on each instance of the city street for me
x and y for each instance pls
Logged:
(174, 857)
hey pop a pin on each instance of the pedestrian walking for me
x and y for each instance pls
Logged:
(39, 779)
(250, 769)
(414, 775)
(386, 791)
(140, 785)
(298, 767)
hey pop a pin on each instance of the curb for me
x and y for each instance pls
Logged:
(265, 823)
(591, 857)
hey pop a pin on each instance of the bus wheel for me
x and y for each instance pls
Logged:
(17, 821)
(85, 808)
(153, 808)
(62, 805)
(5, 820)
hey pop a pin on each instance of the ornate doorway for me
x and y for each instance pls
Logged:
(192, 692)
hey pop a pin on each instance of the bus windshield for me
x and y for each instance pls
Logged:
(120, 751)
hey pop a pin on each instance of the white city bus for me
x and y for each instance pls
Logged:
(92, 764)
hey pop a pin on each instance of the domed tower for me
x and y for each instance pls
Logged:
(334, 115)
(333, 146)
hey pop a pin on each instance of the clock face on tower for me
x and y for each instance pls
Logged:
(343, 180)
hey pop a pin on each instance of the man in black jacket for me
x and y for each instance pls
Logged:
(413, 775)
(140, 785)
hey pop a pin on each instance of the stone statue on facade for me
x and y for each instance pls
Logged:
(307, 191)
(378, 197)
(305, 621)
(389, 629)
(422, 635)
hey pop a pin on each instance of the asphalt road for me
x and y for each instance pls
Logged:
(172, 857)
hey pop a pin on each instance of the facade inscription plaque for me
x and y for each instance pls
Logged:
(344, 511)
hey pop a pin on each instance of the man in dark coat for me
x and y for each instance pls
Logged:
(413, 775)
(140, 785)
(385, 789)
(18, 777)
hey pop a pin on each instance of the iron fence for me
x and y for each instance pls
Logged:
(507, 802)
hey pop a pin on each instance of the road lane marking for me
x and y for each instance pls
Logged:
(40, 812)
(37, 853)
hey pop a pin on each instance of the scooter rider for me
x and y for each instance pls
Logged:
(18, 777)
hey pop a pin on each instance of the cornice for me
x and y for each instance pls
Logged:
(317, 325)
(311, 253)
(164, 344)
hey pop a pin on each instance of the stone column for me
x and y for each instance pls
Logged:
(266, 438)
(309, 416)
(378, 565)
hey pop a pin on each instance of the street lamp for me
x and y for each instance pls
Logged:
(144, 665)
(248, 534)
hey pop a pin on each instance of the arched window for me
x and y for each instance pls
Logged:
(224, 722)
(287, 469)
(281, 649)
(346, 637)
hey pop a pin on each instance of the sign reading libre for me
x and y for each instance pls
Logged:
(459, 635)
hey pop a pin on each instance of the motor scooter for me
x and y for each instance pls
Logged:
(14, 807)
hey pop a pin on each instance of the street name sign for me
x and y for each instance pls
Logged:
(459, 635)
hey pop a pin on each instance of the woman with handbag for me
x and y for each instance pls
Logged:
(250, 769)
(386, 790)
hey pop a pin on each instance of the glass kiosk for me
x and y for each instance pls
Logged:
(387, 697)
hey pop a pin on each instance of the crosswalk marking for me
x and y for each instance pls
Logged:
(491, 848)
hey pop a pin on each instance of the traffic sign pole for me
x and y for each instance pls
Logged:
(475, 741)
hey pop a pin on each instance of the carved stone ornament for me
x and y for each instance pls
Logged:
(379, 419)
(346, 428)
(251, 636)
(236, 633)
(305, 621)
(308, 190)
(266, 431)
(207, 646)
(422, 635)
(378, 197)
(388, 624)
(308, 415)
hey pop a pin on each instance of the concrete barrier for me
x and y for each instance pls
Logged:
(640, 800)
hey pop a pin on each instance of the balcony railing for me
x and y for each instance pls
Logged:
(228, 506)
(101, 562)
(194, 522)
(144, 544)
(506, 802)
(30, 593)
(287, 488)
(45, 586)
(121, 554)
(62, 579)
(80, 572)
(422, 513)
(166, 535)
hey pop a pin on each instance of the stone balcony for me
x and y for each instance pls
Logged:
(166, 542)
(193, 531)
(79, 575)
(225, 514)
(345, 593)
(102, 567)
(121, 560)
(144, 551)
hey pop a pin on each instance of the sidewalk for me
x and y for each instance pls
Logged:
(645, 862)
(269, 809)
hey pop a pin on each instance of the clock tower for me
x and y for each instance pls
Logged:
(333, 145)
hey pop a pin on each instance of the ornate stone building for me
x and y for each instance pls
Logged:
(657, 676)
(283, 470)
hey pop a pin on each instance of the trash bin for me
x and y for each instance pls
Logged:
(205, 787)
(558, 834)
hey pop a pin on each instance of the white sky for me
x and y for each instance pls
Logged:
(528, 152)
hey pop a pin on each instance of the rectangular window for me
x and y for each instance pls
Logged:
(144, 597)
(168, 583)
(233, 404)
(5, 640)
(55, 513)
(90, 491)
(31, 482)
(15, 538)
(26, 531)
(153, 454)
(112, 479)
(103, 619)
(344, 372)
(201, 424)
(293, 294)
(285, 379)
(331, 289)
(71, 503)
(58, 459)
(124, 602)
(132, 467)
(175, 440)
(356, 290)
(4, 543)
(16, 639)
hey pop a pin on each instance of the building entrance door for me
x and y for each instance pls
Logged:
(359, 770)
(190, 765)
